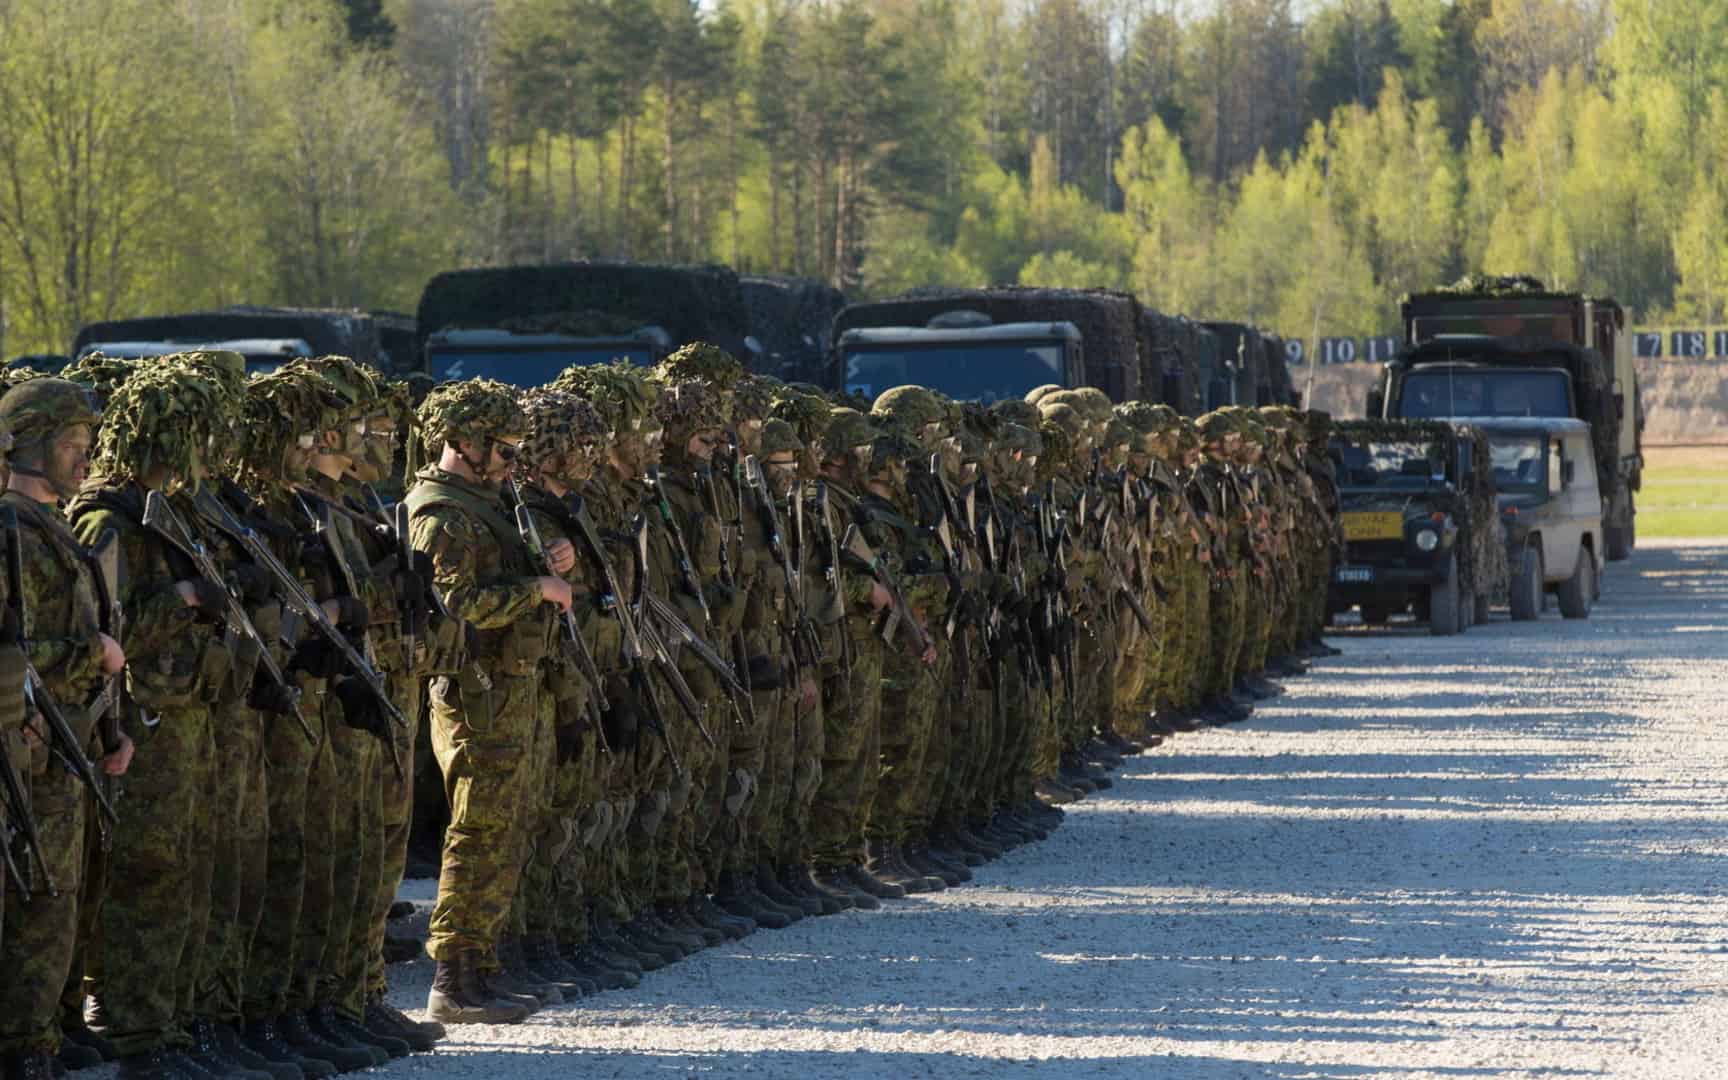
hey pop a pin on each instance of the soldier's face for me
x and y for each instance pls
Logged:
(930, 434)
(69, 460)
(780, 470)
(501, 456)
(703, 443)
(749, 437)
(379, 455)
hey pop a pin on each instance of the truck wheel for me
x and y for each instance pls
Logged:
(1527, 586)
(1577, 591)
(1479, 617)
(1621, 540)
(1375, 614)
(1444, 613)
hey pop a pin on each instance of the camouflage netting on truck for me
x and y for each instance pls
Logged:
(691, 303)
(1109, 323)
(792, 319)
(329, 332)
(1183, 346)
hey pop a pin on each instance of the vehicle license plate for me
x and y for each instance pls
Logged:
(1355, 575)
(1374, 525)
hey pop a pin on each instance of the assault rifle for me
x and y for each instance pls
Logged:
(61, 741)
(18, 831)
(104, 559)
(576, 645)
(856, 546)
(806, 644)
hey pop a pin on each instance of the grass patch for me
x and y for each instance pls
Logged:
(1685, 492)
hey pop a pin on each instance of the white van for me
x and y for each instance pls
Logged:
(1551, 506)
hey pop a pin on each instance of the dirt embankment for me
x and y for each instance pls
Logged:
(1685, 401)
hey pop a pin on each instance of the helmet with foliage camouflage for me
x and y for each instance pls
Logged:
(847, 430)
(101, 375)
(779, 437)
(1017, 411)
(700, 362)
(688, 407)
(169, 416)
(36, 410)
(1218, 425)
(1036, 395)
(893, 448)
(808, 413)
(1118, 435)
(620, 392)
(559, 425)
(1091, 403)
(470, 409)
(1013, 437)
(911, 408)
(1058, 440)
(754, 396)
(280, 410)
(1066, 417)
(350, 388)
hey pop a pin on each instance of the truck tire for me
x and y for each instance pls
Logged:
(1483, 602)
(1445, 614)
(1577, 591)
(1527, 586)
(1621, 540)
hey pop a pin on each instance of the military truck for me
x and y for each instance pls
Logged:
(1252, 369)
(1551, 503)
(267, 337)
(1422, 534)
(791, 318)
(525, 324)
(1510, 347)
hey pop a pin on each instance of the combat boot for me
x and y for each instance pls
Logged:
(330, 1026)
(153, 1064)
(798, 882)
(653, 953)
(383, 1018)
(77, 1031)
(208, 1054)
(859, 874)
(228, 1043)
(515, 979)
(460, 995)
(761, 885)
(263, 1039)
(896, 857)
(679, 918)
(357, 1032)
(300, 1037)
(737, 899)
(544, 961)
(833, 880)
(687, 943)
(1057, 793)
(73, 1057)
(919, 860)
(768, 881)
(646, 930)
(707, 914)
(609, 949)
(589, 963)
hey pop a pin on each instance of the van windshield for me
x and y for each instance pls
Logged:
(985, 372)
(1437, 395)
(526, 367)
(1389, 465)
(1518, 462)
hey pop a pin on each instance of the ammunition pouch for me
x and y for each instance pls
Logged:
(444, 647)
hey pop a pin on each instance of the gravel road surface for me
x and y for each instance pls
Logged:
(1497, 855)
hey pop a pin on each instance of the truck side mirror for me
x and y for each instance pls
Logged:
(1376, 403)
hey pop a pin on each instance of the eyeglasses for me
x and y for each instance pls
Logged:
(506, 451)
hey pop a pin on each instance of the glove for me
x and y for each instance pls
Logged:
(271, 697)
(212, 597)
(314, 552)
(317, 657)
(766, 673)
(622, 723)
(253, 583)
(569, 737)
(352, 614)
(360, 708)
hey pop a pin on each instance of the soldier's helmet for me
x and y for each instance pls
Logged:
(352, 387)
(688, 407)
(754, 396)
(35, 411)
(848, 429)
(910, 408)
(102, 375)
(169, 415)
(1017, 411)
(1067, 418)
(470, 409)
(1012, 437)
(892, 448)
(808, 413)
(1037, 394)
(700, 362)
(620, 392)
(779, 437)
(1091, 403)
(559, 424)
(1217, 425)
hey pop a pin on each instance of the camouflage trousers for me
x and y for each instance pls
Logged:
(553, 894)
(851, 752)
(1229, 619)
(144, 959)
(355, 873)
(911, 696)
(758, 760)
(482, 739)
(396, 806)
(270, 963)
(240, 845)
(788, 815)
(36, 951)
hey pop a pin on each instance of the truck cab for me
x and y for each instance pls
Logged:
(534, 359)
(1551, 505)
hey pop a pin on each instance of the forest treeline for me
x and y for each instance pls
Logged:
(1295, 165)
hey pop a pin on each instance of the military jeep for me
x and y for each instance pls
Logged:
(1421, 529)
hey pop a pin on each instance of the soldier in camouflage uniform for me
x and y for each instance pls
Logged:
(52, 425)
(484, 704)
(158, 428)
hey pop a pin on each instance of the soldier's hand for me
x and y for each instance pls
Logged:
(555, 591)
(117, 762)
(929, 656)
(113, 659)
(809, 693)
(269, 696)
(360, 708)
(562, 555)
(880, 597)
(200, 593)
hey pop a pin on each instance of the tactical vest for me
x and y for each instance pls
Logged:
(516, 649)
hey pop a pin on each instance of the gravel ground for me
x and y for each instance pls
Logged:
(1498, 855)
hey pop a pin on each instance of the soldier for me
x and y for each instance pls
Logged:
(52, 425)
(483, 705)
(158, 428)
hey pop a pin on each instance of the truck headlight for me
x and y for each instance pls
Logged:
(1427, 540)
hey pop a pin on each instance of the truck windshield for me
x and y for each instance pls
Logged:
(1517, 462)
(983, 372)
(525, 367)
(1435, 395)
(1403, 465)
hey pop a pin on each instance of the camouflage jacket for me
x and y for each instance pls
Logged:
(61, 622)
